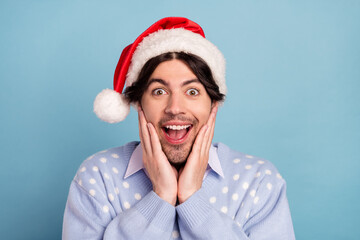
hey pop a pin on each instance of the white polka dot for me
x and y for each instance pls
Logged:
(236, 177)
(95, 169)
(268, 172)
(253, 193)
(83, 169)
(225, 189)
(212, 200)
(117, 191)
(237, 223)
(106, 176)
(247, 215)
(137, 196)
(269, 186)
(224, 209)
(111, 197)
(114, 155)
(92, 181)
(127, 205)
(92, 192)
(126, 185)
(103, 160)
(278, 175)
(249, 156)
(256, 200)
(175, 234)
(80, 182)
(89, 157)
(105, 209)
(103, 151)
(237, 160)
(247, 167)
(261, 162)
(114, 169)
(258, 174)
(235, 196)
(242, 204)
(245, 185)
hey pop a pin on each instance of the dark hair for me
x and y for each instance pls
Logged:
(198, 66)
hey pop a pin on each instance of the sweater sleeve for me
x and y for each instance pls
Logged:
(198, 219)
(87, 217)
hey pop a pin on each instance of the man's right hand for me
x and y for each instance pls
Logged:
(162, 174)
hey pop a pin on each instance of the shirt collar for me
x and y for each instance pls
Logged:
(136, 163)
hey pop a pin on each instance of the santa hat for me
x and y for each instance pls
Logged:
(171, 34)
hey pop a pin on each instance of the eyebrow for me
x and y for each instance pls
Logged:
(190, 81)
(153, 80)
(187, 82)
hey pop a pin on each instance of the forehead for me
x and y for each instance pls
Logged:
(173, 72)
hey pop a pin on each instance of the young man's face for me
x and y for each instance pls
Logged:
(177, 104)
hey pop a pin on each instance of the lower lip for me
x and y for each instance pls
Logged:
(177, 141)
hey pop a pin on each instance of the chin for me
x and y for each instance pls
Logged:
(177, 154)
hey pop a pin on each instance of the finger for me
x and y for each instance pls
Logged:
(196, 149)
(212, 116)
(144, 133)
(207, 142)
(154, 139)
(210, 134)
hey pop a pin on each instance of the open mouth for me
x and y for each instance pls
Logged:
(176, 134)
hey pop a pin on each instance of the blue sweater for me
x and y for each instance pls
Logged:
(248, 203)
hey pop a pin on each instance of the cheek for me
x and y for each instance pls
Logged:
(202, 111)
(150, 110)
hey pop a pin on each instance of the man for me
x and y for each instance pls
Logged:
(175, 184)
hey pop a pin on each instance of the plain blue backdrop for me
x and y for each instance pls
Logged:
(293, 74)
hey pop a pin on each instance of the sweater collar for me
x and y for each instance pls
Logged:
(136, 164)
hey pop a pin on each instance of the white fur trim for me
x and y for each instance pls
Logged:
(178, 40)
(110, 106)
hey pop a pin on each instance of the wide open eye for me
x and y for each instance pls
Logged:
(192, 92)
(159, 92)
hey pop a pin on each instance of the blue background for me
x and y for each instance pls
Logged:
(293, 74)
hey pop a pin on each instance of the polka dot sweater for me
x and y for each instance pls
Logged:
(248, 203)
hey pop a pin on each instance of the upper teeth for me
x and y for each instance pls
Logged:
(177, 127)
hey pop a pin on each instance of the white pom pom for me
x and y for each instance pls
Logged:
(110, 106)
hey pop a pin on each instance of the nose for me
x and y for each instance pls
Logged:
(175, 104)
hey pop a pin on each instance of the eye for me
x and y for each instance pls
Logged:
(159, 92)
(192, 92)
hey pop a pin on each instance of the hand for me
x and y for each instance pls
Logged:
(191, 176)
(163, 176)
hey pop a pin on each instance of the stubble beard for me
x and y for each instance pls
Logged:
(177, 154)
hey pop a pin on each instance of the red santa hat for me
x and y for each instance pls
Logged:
(171, 34)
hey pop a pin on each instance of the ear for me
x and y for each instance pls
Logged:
(214, 104)
(137, 106)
